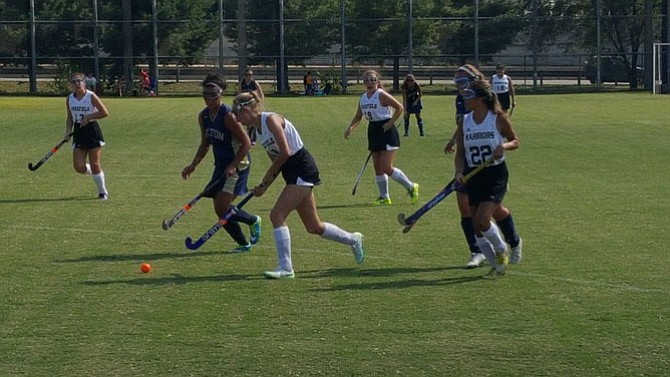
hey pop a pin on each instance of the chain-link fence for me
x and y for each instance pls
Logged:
(43, 44)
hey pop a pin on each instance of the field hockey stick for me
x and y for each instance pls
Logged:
(49, 154)
(408, 222)
(511, 111)
(360, 174)
(219, 224)
(167, 224)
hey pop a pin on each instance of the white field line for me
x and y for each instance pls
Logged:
(348, 255)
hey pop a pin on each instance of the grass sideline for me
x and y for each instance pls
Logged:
(588, 193)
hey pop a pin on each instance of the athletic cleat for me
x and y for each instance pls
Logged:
(476, 260)
(414, 193)
(279, 274)
(242, 248)
(502, 259)
(516, 256)
(103, 196)
(255, 229)
(357, 248)
(382, 202)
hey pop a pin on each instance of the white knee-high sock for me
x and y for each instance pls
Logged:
(401, 178)
(492, 234)
(283, 244)
(487, 249)
(335, 233)
(382, 185)
(99, 180)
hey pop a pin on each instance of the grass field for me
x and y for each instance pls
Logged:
(589, 193)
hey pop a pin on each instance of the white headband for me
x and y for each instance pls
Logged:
(467, 70)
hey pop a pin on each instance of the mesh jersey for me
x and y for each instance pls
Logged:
(480, 140)
(372, 108)
(500, 84)
(80, 108)
(225, 146)
(269, 143)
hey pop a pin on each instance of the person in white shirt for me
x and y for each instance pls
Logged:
(503, 87)
(382, 111)
(484, 137)
(288, 154)
(84, 108)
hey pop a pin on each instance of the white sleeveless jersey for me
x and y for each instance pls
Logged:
(500, 84)
(480, 140)
(82, 107)
(372, 108)
(269, 143)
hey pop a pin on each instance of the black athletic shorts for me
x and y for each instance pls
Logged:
(489, 185)
(378, 140)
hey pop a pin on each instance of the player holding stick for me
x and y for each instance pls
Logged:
(486, 132)
(283, 144)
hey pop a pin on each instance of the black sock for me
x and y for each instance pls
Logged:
(469, 232)
(508, 230)
(243, 217)
(233, 228)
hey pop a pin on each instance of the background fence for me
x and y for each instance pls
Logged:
(339, 39)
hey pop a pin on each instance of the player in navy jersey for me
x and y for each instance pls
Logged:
(249, 84)
(462, 78)
(283, 144)
(220, 130)
(486, 134)
(382, 111)
(411, 101)
(84, 108)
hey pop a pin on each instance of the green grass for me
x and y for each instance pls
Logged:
(588, 193)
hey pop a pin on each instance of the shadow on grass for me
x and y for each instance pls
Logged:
(356, 205)
(28, 200)
(144, 257)
(176, 279)
(386, 272)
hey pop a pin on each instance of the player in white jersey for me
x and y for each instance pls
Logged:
(504, 88)
(283, 144)
(83, 109)
(383, 138)
(485, 135)
(463, 76)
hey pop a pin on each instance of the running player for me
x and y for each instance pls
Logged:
(84, 108)
(283, 144)
(220, 129)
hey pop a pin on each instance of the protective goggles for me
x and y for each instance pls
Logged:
(468, 94)
(211, 95)
(370, 79)
(462, 82)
